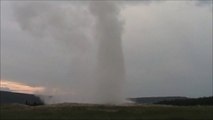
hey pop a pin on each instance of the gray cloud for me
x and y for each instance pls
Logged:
(168, 51)
(204, 2)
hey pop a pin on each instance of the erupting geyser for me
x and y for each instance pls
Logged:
(65, 34)
(110, 66)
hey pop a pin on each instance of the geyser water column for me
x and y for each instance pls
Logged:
(110, 66)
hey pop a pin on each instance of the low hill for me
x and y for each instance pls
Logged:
(20, 98)
(189, 102)
(151, 100)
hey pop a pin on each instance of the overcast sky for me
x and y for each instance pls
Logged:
(167, 47)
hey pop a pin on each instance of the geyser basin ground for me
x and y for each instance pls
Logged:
(70, 111)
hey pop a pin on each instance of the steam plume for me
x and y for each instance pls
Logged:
(110, 66)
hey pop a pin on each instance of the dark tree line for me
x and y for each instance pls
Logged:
(189, 101)
(34, 103)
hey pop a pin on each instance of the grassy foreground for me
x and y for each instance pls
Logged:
(104, 112)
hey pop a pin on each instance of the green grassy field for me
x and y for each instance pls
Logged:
(101, 112)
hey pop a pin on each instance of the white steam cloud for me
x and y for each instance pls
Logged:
(63, 33)
(72, 31)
